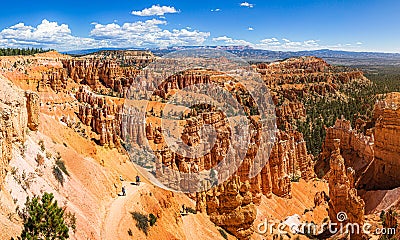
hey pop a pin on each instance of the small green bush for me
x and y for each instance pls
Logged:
(191, 210)
(60, 163)
(142, 221)
(41, 144)
(58, 175)
(152, 219)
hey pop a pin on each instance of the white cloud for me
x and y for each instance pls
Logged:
(47, 35)
(270, 41)
(155, 10)
(229, 41)
(216, 10)
(246, 4)
(250, 29)
(147, 33)
(272, 44)
(287, 45)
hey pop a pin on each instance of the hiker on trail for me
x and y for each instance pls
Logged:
(183, 208)
(123, 191)
(137, 180)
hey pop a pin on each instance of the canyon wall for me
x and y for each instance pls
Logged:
(356, 148)
(102, 114)
(386, 166)
(305, 70)
(374, 155)
(16, 114)
(231, 206)
(344, 200)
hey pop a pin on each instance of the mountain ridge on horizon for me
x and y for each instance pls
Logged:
(340, 57)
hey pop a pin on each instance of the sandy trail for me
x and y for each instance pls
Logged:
(118, 209)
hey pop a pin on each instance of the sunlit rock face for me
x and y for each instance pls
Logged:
(387, 144)
(342, 192)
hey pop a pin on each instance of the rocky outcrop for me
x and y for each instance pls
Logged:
(100, 74)
(231, 206)
(102, 114)
(344, 200)
(320, 198)
(286, 113)
(108, 72)
(32, 105)
(387, 144)
(183, 80)
(55, 78)
(5, 143)
(356, 148)
(289, 160)
(305, 70)
(13, 122)
(390, 222)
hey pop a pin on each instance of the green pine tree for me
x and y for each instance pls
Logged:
(44, 219)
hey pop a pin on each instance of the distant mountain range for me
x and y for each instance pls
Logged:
(259, 55)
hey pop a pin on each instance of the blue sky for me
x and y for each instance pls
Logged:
(356, 25)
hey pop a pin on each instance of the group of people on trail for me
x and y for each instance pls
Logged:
(123, 187)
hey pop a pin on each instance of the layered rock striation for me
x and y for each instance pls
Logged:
(230, 206)
(14, 111)
(386, 165)
(356, 148)
(345, 206)
(102, 114)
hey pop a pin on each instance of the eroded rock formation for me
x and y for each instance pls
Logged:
(115, 71)
(386, 166)
(344, 200)
(231, 207)
(305, 70)
(32, 105)
(102, 114)
(356, 148)
(55, 78)
(289, 160)
(13, 122)
(374, 155)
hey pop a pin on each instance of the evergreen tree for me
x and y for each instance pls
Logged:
(44, 219)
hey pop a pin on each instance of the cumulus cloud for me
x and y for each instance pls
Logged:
(230, 41)
(246, 4)
(216, 10)
(155, 10)
(272, 44)
(47, 35)
(287, 45)
(147, 33)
